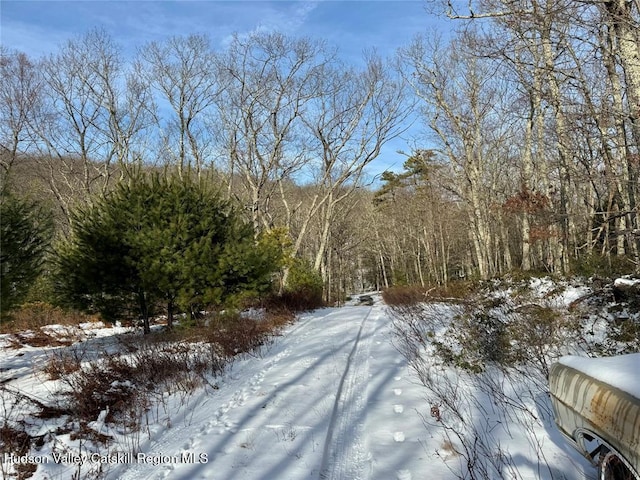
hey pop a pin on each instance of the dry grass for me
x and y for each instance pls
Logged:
(125, 383)
(32, 316)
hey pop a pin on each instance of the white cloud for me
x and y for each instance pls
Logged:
(285, 17)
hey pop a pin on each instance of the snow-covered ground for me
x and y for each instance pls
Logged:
(331, 398)
(302, 411)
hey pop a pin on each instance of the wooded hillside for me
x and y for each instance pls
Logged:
(528, 158)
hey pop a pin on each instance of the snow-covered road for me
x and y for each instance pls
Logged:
(332, 398)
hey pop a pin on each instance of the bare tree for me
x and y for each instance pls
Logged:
(621, 46)
(558, 37)
(93, 113)
(622, 20)
(420, 221)
(20, 94)
(269, 81)
(461, 99)
(359, 112)
(182, 70)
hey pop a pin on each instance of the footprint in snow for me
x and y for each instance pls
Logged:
(398, 408)
(403, 475)
(398, 437)
(168, 470)
(397, 391)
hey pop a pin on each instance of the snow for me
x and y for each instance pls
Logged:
(331, 398)
(572, 294)
(626, 282)
(621, 371)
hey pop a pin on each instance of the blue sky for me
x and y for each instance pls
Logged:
(39, 27)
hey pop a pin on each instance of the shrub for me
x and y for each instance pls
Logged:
(126, 384)
(303, 291)
(602, 265)
(458, 290)
(626, 333)
(33, 315)
(62, 363)
(483, 337)
(403, 295)
(14, 440)
(409, 295)
(14, 436)
(495, 330)
(123, 385)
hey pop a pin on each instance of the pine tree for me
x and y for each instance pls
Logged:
(25, 231)
(164, 240)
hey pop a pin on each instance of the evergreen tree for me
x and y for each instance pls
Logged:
(25, 231)
(95, 269)
(161, 240)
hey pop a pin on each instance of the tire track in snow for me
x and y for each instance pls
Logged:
(345, 453)
(220, 421)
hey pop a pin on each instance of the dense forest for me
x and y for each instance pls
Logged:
(528, 160)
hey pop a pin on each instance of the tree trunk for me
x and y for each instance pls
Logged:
(144, 312)
(170, 308)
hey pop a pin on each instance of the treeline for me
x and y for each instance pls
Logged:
(530, 111)
(279, 126)
(534, 107)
